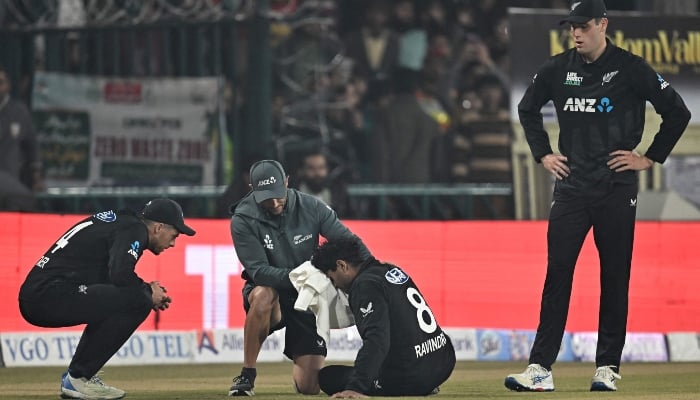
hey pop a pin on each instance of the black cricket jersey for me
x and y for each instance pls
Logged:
(102, 248)
(400, 334)
(600, 107)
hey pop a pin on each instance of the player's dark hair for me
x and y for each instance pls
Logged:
(346, 249)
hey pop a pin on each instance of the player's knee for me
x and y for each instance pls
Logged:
(262, 300)
(310, 388)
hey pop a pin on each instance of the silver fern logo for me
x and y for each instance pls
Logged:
(608, 77)
(367, 310)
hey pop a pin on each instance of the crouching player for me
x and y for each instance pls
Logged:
(404, 351)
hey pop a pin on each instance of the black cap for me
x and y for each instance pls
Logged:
(267, 178)
(583, 11)
(168, 212)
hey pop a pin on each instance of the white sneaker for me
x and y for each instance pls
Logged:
(604, 379)
(536, 378)
(88, 389)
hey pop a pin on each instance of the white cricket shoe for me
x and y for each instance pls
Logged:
(88, 389)
(536, 378)
(604, 379)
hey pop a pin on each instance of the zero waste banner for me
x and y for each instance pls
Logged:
(100, 131)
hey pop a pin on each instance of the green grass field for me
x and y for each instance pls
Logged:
(475, 380)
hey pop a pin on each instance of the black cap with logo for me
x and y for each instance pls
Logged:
(583, 11)
(168, 212)
(267, 178)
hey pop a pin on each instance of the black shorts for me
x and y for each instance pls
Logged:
(300, 338)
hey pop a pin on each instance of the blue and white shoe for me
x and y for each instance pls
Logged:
(88, 389)
(604, 379)
(536, 378)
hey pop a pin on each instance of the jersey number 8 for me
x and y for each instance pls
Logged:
(422, 311)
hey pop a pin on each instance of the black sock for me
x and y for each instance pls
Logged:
(249, 373)
(76, 374)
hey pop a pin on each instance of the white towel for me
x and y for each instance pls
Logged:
(317, 294)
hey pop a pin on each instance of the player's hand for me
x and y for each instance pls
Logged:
(349, 394)
(625, 160)
(160, 300)
(556, 165)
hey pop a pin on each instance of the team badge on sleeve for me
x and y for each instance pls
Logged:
(396, 276)
(106, 216)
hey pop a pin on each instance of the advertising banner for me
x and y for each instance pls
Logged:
(128, 131)
(683, 346)
(464, 342)
(50, 348)
(226, 346)
(461, 267)
(493, 344)
(638, 347)
(521, 343)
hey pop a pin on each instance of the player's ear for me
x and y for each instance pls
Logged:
(341, 265)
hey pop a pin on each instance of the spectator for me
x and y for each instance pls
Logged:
(490, 137)
(20, 166)
(412, 38)
(405, 135)
(239, 186)
(374, 48)
(313, 178)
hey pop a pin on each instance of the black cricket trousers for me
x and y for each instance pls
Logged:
(111, 313)
(610, 209)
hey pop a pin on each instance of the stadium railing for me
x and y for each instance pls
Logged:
(430, 201)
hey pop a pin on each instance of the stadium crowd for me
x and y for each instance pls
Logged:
(389, 91)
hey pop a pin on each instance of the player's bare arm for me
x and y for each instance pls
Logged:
(556, 165)
(624, 160)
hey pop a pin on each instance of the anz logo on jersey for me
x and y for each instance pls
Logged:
(578, 104)
(134, 250)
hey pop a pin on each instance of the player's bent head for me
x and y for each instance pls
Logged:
(326, 255)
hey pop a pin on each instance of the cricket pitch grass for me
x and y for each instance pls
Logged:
(470, 380)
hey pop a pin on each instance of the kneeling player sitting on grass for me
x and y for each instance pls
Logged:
(404, 351)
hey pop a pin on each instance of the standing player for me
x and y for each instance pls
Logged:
(88, 277)
(404, 351)
(274, 230)
(600, 93)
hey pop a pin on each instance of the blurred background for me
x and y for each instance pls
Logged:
(386, 109)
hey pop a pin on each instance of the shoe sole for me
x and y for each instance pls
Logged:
(67, 396)
(601, 387)
(512, 384)
(239, 392)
